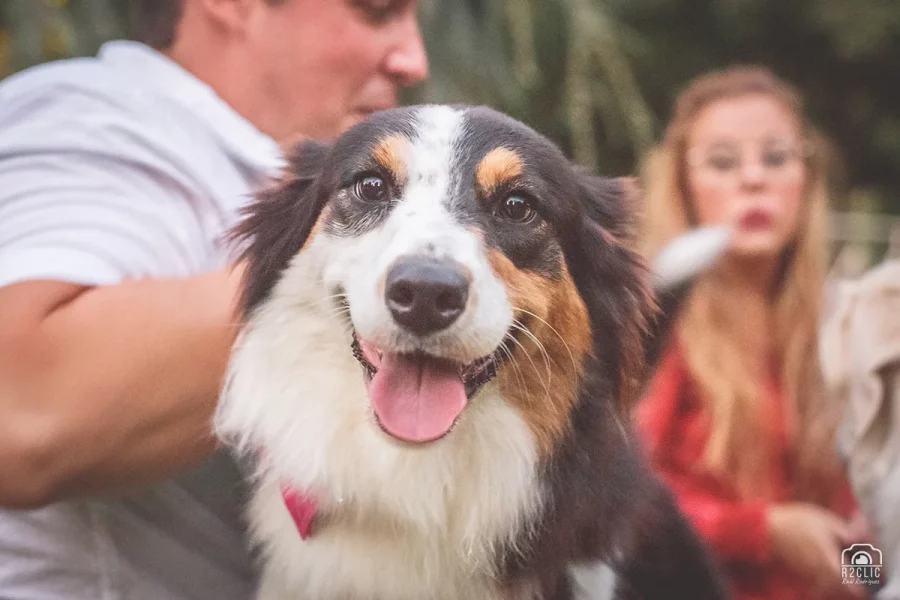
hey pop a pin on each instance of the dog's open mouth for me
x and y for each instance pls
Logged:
(418, 398)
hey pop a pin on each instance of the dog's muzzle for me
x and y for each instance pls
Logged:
(419, 396)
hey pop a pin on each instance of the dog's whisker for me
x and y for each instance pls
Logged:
(304, 304)
(537, 372)
(337, 311)
(243, 343)
(512, 361)
(524, 329)
(553, 329)
(521, 327)
(309, 303)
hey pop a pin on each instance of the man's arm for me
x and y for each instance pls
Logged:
(105, 388)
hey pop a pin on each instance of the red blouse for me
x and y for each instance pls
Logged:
(674, 430)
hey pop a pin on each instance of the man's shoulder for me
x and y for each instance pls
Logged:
(84, 107)
(84, 101)
(56, 84)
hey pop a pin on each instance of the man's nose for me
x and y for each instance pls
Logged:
(407, 63)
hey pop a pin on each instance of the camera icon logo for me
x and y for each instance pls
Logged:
(861, 555)
(861, 564)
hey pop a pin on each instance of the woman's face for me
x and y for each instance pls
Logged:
(745, 168)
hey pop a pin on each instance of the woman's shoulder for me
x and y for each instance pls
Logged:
(667, 398)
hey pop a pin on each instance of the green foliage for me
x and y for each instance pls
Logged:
(34, 31)
(602, 74)
(599, 76)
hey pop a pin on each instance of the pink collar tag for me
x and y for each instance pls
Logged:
(302, 509)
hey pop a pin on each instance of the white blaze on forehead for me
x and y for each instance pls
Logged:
(422, 223)
(431, 156)
(430, 166)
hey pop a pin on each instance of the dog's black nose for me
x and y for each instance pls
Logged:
(426, 295)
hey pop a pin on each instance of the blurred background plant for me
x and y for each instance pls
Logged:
(599, 76)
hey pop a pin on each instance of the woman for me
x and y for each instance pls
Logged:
(735, 420)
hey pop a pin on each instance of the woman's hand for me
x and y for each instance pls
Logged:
(808, 540)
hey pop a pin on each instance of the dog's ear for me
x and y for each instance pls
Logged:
(614, 281)
(276, 225)
(612, 202)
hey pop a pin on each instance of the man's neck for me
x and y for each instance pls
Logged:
(203, 60)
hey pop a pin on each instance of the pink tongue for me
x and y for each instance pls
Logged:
(416, 400)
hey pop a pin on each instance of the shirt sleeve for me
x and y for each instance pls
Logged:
(84, 199)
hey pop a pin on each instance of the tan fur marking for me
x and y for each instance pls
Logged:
(389, 153)
(316, 228)
(544, 387)
(499, 166)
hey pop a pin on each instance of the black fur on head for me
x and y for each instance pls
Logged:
(277, 224)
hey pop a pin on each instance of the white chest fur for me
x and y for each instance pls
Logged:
(359, 561)
(412, 523)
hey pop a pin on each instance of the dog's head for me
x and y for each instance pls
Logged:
(443, 252)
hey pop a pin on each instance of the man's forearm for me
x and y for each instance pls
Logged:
(114, 388)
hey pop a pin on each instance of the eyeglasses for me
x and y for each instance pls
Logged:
(775, 157)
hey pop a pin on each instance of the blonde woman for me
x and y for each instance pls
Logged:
(735, 419)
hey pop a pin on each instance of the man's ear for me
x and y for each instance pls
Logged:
(613, 281)
(278, 223)
(231, 15)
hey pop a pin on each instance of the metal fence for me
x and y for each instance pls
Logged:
(860, 240)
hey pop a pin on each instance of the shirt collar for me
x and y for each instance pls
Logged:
(241, 139)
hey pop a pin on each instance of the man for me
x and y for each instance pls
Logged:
(118, 177)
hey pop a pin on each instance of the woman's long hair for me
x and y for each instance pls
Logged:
(710, 329)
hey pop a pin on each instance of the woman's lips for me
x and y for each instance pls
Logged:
(755, 220)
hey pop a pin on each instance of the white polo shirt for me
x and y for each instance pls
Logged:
(117, 167)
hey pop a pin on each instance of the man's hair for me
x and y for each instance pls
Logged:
(155, 22)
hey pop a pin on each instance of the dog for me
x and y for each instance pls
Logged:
(442, 330)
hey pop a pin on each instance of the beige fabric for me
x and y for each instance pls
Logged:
(860, 349)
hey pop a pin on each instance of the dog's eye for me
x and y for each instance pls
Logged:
(516, 208)
(372, 188)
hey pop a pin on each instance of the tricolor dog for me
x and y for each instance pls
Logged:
(443, 326)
